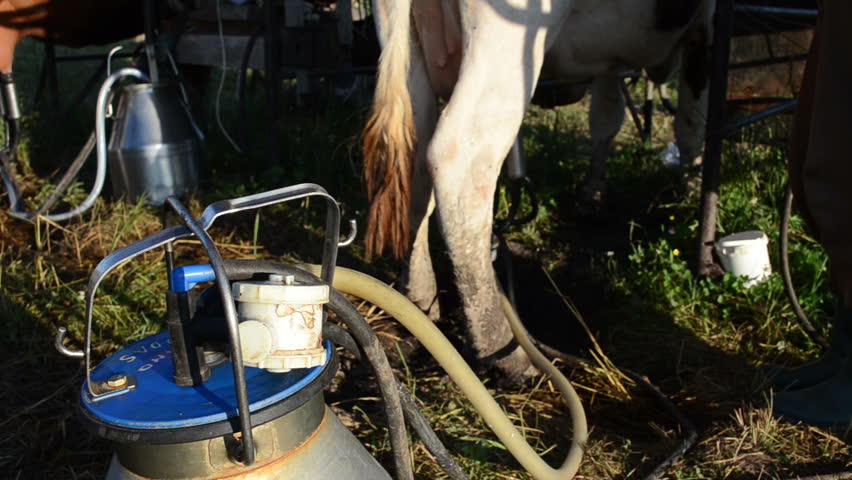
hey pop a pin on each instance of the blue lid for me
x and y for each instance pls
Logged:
(158, 403)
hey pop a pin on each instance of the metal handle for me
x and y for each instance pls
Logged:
(109, 59)
(208, 217)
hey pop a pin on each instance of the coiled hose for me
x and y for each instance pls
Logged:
(395, 304)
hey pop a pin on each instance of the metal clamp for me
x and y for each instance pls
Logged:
(59, 343)
(353, 232)
(516, 191)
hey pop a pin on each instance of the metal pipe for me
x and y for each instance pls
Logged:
(792, 12)
(60, 345)
(768, 61)
(516, 162)
(756, 117)
(350, 237)
(216, 261)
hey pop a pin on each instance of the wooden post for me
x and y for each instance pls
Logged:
(712, 171)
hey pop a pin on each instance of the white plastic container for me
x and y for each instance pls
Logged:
(281, 323)
(745, 254)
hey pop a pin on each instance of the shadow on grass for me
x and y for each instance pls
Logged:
(42, 437)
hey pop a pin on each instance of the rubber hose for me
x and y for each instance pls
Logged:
(339, 336)
(69, 176)
(370, 345)
(413, 415)
(428, 437)
(783, 238)
(395, 304)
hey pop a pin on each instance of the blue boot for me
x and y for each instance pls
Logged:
(824, 403)
(783, 379)
(827, 404)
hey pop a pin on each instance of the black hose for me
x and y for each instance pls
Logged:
(413, 414)
(241, 88)
(783, 237)
(69, 176)
(339, 336)
(13, 132)
(634, 114)
(665, 100)
(427, 436)
(366, 338)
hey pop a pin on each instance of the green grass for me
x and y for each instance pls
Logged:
(630, 277)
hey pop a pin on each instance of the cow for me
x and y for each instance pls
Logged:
(484, 58)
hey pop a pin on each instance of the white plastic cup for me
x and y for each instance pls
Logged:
(745, 254)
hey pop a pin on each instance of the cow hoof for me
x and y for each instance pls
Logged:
(591, 204)
(433, 311)
(691, 184)
(514, 369)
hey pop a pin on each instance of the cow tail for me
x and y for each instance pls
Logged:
(389, 138)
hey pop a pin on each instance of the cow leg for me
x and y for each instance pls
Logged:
(691, 118)
(418, 281)
(605, 119)
(473, 136)
(420, 284)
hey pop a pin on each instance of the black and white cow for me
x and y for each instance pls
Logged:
(484, 57)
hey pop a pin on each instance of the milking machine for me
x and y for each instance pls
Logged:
(234, 385)
(155, 150)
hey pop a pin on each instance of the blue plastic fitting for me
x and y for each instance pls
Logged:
(186, 277)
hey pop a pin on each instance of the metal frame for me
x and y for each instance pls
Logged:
(717, 128)
(199, 228)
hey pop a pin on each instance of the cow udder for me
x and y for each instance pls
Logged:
(438, 25)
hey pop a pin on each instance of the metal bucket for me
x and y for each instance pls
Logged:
(308, 444)
(156, 150)
(162, 430)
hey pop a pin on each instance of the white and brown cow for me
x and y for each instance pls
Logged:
(484, 57)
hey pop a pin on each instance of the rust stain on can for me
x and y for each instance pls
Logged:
(280, 463)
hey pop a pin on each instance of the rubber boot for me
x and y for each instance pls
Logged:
(827, 404)
(808, 375)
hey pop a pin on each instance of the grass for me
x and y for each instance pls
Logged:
(629, 277)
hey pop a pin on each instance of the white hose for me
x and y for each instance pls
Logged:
(101, 149)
